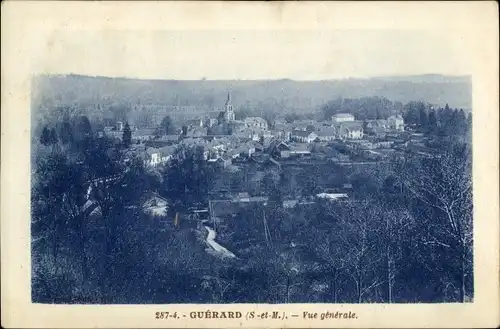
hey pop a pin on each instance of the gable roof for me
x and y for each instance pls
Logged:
(343, 115)
(287, 146)
(301, 133)
(377, 123)
(251, 120)
(300, 147)
(352, 126)
(327, 131)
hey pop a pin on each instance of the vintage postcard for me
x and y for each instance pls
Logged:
(261, 165)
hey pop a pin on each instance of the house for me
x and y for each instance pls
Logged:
(300, 149)
(276, 147)
(156, 205)
(303, 136)
(396, 122)
(242, 197)
(340, 158)
(289, 203)
(350, 130)
(238, 125)
(365, 145)
(259, 199)
(166, 153)
(223, 161)
(376, 127)
(166, 140)
(119, 126)
(169, 138)
(283, 131)
(152, 156)
(194, 123)
(256, 122)
(143, 134)
(343, 117)
(246, 149)
(295, 150)
(332, 196)
(197, 132)
(212, 119)
(217, 147)
(327, 134)
(376, 123)
(305, 125)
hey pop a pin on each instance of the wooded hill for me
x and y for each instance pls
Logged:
(274, 95)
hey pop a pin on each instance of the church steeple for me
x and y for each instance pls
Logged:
(229, 113)
(228, 100)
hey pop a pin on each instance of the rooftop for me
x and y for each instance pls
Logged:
(353, 125)
(327, 131)
(301, 133)
(343, 115)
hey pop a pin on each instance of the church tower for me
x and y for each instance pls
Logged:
(228, 109)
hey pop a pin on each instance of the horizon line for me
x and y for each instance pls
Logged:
(256, 79)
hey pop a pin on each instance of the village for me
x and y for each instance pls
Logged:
(218, 188)
(255, 143)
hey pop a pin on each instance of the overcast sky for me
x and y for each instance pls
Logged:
(301, 55)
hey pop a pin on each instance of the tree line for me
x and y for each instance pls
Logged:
(441, 121)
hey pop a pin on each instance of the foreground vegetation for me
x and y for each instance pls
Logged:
(405, 234)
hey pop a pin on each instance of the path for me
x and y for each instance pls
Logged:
(217, 247)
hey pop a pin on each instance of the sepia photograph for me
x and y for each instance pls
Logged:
(253, 166)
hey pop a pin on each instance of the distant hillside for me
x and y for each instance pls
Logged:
(281, 95)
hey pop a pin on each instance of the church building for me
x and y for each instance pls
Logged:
(228, 109)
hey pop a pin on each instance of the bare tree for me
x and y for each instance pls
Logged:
(444, 185)
(362, 235)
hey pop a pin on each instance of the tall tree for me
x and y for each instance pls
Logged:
(127, 136)
(83, 127)
(45, 137)
(166, 126)
(66, 132)
(187, 178)
(423, 119)
(462, 122)
(53, 136)
(432, 127)
(469, 124)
